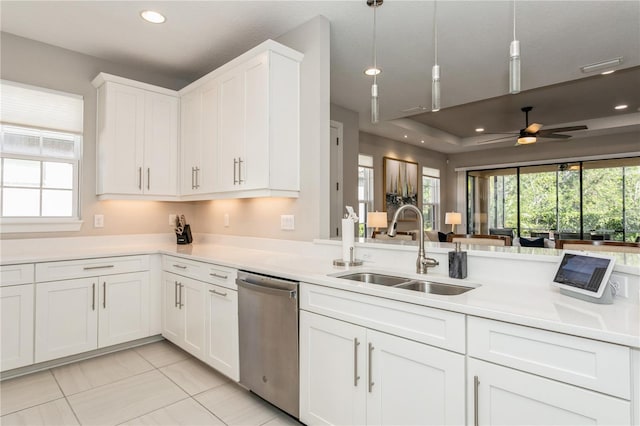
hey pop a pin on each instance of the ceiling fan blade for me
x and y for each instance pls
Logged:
(533, 128)
(564, 129)
(553, 136)
(494, 140)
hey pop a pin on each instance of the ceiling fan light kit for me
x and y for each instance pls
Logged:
(375, 112)
(514, 59)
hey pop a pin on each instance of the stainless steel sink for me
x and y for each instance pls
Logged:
(407, 283)
(434, 288)
(373, 278)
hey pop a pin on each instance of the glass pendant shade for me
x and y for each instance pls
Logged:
(375, 114)
(435, 88)
(514, 67)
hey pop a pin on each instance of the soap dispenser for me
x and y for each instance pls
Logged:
(458, 263)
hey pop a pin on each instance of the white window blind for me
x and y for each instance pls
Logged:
(35, 107)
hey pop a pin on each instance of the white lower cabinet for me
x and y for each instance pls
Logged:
(80, 315)
(353, 375)
(221, 328)
(499, 395)
(183, 312)
(16, 326)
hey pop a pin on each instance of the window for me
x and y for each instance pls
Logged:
(431, 198)
(575, 200)
(365, 190)
(40, 150)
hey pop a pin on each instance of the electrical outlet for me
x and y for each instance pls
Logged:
(98, 221)
(621, 284)
(287, 222)
(172, 219)
(226, 220)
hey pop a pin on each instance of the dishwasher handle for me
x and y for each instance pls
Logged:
(292, 294)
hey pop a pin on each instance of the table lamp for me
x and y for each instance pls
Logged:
(453, 219)
(377, 220)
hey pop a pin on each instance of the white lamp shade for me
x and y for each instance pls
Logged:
(377, 219)
(453, 218)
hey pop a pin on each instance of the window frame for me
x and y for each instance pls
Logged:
(434, 175)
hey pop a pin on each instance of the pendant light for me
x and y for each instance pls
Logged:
(514, 59)
(375, 113)
(435, 71)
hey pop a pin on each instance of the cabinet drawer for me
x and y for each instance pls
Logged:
(220, 275)
(431, 326)
(53, 271)
(16, 274)
(591, 364)
(184, 267)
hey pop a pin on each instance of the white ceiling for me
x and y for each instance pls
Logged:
(557, 37)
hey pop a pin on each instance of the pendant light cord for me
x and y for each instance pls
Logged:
(514, 19)
(435, 31)
(375, 59)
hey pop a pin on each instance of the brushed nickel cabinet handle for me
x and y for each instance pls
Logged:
(104, 295)
(88, 268)
(240, 170)
(193, 185)
(219, 293)
(235, 164)
(179, 266)
(371, 348)
(175, 294)
(180, 294)
(476, 385)
(222, 277)
(355, 361)
(148, 178)
(140, 178)
(93, 296)
(197, 177)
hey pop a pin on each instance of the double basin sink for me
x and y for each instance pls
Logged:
(423, 286)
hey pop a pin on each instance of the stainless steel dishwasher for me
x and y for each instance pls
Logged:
(268, 327)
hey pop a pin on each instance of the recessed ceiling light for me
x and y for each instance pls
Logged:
(421, 141)
(480, 129)
(153, 16)
(608, 72)
(406, 136)
(621, 106)
(372, 71)
(603, 65)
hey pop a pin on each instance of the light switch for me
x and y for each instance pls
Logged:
(172, 220)
(226, 220)
(287, 222)
(98, 221)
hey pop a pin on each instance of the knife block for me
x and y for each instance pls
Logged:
(185, 237)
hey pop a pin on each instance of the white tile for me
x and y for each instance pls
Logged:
(235, 406)
(91, 373)
(282, 420)
(126, 399)
(184, 413)
(162, 353)
(54, 413)
(28, 391)
(193, 376)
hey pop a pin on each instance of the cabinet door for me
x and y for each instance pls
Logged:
(123, 308)
(231, 129)
(190, 140)
(16, 325)
(333, 372)
(172, 315)
(254, 168)
(121, 142)
(160, 174)
(207, 172)
(412, 383)
(192, 301)
(221, 325)
(66, 318)
(510, 397)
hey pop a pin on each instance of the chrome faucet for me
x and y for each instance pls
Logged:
(423, 262)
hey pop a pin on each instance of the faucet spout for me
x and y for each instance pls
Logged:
(423, 262)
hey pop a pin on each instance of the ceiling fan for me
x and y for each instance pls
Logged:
(533, 131)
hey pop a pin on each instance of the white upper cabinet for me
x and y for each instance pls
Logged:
(137, 130)
(242, 122)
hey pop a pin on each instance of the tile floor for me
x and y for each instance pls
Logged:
(155, 384)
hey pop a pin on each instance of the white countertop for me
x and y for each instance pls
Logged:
(539, 306)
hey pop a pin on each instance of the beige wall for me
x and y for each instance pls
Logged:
(30, 62)
(261, 217)
(380, 147)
